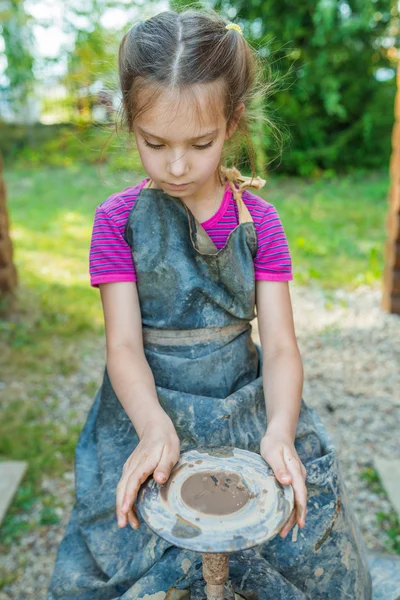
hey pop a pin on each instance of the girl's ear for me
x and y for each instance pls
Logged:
(234, 120)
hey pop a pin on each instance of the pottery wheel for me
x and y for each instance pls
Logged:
(217, 500)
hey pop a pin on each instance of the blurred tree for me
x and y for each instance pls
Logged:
(18, 44)
(8, 274)
(93, 59)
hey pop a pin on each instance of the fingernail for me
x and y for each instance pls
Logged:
(120, 522)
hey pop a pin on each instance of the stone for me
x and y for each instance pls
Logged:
(385, 572)
(11, 473)
(389, 474)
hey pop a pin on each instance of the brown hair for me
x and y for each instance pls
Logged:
(180, 50)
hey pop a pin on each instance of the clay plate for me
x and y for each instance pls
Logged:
(217, 500)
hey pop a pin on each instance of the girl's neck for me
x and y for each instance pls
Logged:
(206, 201)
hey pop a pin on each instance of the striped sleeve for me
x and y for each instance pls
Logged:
(110, 257)
(272, 261)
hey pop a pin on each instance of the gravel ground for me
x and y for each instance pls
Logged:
(351, 356)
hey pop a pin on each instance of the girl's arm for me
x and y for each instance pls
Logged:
(133, 382)
(283, 385)
(129, 371)
(282, 366)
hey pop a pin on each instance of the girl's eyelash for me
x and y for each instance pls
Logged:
(159, 146)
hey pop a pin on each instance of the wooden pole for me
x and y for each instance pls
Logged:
(391, 275)
(8, 274)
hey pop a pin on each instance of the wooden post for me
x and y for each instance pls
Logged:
(391, 275)
(8, 274)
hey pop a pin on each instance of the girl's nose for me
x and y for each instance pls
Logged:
(179, 165)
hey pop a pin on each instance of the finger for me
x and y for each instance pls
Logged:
(299, 488)
(289, 524)
(121, 487)
(123, 503)
(133, 519)
(133, 463)
(278, 465)
(300, 499)
(165, 465)
(134, 482)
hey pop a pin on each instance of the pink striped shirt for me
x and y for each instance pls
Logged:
(110, 258)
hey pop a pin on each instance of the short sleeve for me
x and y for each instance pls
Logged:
(273, 261)
(110, 257)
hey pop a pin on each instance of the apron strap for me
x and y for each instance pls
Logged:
(150, 184)
(233, 176)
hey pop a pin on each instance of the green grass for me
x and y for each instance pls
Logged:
(389, 522)
(27, 433)
(336, 232)
(335, 227)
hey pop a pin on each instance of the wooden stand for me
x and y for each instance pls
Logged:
(8, 274)
(215, 574)
(391, 276)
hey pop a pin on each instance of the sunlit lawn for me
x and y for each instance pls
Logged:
(336, 233)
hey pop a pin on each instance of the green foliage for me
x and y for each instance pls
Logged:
(334, 113)
(65, 145)
(93, 59)
(325, 55)
(18, 44)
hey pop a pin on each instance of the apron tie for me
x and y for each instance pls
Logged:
(233, 175)
(177, 337)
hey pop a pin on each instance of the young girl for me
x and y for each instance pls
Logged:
(181, 259)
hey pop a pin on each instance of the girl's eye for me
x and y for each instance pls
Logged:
(204, 147)
(159, 146)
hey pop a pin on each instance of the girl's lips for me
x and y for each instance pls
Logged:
(178, 187)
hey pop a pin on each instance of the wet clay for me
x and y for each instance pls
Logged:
(222, 452)
(215, 492)
(185, 529)
(164, 489)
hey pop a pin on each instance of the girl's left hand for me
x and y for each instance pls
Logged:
(279, 452)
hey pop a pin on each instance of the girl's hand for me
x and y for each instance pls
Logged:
(279, 452)
(157, 452)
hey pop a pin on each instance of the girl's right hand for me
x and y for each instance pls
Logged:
(157, 452)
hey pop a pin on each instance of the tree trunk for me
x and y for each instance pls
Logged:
(8, 274)
(391, 277)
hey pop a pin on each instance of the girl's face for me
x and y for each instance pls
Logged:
(180, 141)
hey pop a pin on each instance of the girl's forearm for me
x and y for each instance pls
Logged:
(133, 382)
(283, 388)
